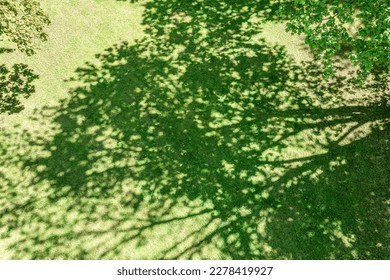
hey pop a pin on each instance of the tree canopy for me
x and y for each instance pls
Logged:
(15, 83)
(359, 28)
(22, 22)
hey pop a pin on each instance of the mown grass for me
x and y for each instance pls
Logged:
(165, 148)
(79, 30)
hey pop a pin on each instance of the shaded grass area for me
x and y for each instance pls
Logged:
(199, 142)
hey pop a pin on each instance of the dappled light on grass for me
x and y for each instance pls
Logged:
(197, 145)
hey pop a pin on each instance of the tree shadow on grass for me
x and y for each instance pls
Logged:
(6, 50)
(191, 145)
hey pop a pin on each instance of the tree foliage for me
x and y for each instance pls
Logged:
(359, 28)
(14, 84)
(22, 22)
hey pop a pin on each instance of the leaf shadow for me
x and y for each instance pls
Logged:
(218, 146)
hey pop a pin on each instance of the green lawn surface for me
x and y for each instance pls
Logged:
(161, 130)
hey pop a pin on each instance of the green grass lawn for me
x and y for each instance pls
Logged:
(154, 133)
(79, 30)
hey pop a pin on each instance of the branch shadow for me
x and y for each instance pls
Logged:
(6, 50)
(214, 144)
